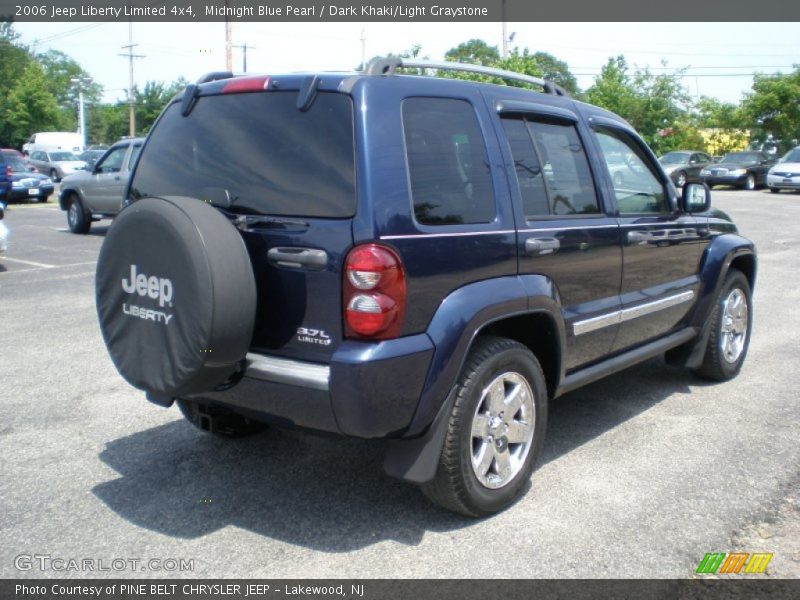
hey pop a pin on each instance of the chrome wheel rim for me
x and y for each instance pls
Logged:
(734, 325)
(751, 182)
(502, 430)
(681, 180)
(72, 214)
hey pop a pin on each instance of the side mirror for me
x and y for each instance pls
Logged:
(696, 198)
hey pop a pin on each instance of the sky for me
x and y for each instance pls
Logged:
(720, 57)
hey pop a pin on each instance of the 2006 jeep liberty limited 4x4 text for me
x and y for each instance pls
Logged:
(422, 259)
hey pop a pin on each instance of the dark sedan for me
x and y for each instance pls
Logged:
(746, 170)
(684, 165)
(25, 184)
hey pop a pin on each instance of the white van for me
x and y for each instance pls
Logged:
(49, 141)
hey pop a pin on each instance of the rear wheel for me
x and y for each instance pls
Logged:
(218, 420)
(774, 190)
(495, 432)
(731, 324)
(78, 219)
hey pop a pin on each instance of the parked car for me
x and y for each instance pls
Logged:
(47, 141)
(97, 193)
(5, 177)
(477, 263)
(684, 165)
(90, 157)
(20, 155)
(785, 175)
(26, 184)
(3, 229)
(746, 170)
(56, 164)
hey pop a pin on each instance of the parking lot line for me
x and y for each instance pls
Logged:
(29, 262)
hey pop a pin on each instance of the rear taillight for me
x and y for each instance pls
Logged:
(246, 84)
(374, 293)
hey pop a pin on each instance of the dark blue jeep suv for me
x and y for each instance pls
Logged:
(416, 258)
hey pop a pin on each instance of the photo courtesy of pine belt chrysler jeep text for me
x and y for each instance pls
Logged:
(420, 259)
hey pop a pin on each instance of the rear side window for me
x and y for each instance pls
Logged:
(447, 162)
(551, 166)
(255, 153)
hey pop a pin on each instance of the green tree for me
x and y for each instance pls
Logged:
(60, 70)
(475, 52)
(29, 107)
(614, 89)
(773, 108)
(152, 100)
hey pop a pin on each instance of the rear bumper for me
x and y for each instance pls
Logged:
(369, 390)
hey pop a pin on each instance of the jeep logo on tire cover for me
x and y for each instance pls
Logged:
(153, 287)
(157, 288)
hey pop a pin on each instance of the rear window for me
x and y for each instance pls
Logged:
(255, 153)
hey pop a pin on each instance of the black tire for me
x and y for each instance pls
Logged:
(54, 175)
(680, 180)
(218, 421)
(78, 218)
(749, 183)
(456, 486)
(774, 190)
(717, 364)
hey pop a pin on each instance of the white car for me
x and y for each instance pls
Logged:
(785, 175)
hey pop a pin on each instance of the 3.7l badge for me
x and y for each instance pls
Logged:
(313, 336)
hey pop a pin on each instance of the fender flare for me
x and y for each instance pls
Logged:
(471, 308)
(716, 263)
(64, 194)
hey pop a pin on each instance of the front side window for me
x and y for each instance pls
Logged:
(447, 162)
(636, 186)
(113, 162)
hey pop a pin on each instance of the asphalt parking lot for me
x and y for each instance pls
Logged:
(641, 475)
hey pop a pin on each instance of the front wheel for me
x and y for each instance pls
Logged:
(774, 190)
(54, 175)
(680, 181)
(495, 431)
(750, 183)
(78, 219)
(731, 324)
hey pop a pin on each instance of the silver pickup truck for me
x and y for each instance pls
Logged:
(97, 193)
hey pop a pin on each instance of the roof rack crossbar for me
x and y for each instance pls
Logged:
(388, 66)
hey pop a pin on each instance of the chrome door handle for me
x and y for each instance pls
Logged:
(637, 237)
(539, 246)
(298, 258)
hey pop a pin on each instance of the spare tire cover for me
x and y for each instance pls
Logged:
(176, 296)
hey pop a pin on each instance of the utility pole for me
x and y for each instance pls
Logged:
(244, 48)
(131, 95)
(505, 36)
(228, 42)
(363, 49)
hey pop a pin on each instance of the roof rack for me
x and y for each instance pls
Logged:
(389, 65)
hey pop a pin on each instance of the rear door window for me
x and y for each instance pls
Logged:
(447, 162)
(255, 153)
(552, 169)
